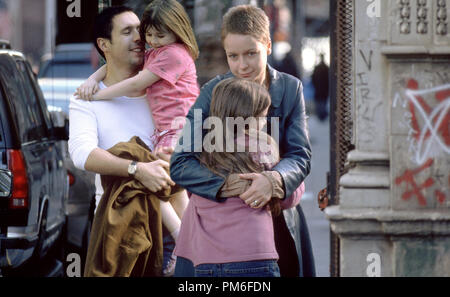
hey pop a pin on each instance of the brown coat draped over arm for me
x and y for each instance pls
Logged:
(126, 236)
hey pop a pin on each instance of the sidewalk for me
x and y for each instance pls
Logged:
(317, 223)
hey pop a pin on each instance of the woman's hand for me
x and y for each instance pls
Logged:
(87, 89)
(259, 193)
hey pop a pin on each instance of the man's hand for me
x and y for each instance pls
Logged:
(87, 89)
(259, 193)
(153, 175)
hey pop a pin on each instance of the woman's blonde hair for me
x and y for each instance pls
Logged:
(169, 15)
(246, 20)
(234, 98)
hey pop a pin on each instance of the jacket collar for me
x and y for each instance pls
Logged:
(276, 88)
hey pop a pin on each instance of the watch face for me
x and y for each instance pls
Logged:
(132, 168)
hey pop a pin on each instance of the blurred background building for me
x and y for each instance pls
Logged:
(35, 27)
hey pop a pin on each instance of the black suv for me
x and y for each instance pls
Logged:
(59, 76)
(34, 183)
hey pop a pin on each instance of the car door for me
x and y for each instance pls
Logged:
(28, 142)
(59, 178)
(37, 148)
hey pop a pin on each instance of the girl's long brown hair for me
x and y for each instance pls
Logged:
(234, 98)
(169, 15)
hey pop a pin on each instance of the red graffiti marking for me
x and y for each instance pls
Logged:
(412, 189)
(440, 196)
(411, 185)
(443, 128)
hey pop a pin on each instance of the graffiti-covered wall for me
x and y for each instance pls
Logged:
(420, 138)
(420, 101)
(394, 212)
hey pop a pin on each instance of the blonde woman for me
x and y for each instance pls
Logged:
(246, 41)
(231, 238)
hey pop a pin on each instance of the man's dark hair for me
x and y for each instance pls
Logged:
(104, 24)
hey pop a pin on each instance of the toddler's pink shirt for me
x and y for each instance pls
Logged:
(174, 94)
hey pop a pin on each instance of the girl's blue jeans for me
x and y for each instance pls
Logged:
(260, 268)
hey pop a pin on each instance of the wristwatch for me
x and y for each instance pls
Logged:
(132, 168)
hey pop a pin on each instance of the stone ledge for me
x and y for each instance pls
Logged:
(361, 156)
(371, 170)
(376, 222)
(414, 50)
(365, 179)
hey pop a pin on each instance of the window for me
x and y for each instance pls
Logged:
(13, 92)
(68, 69)
(27, 104)
(38, 96)
(1, 118)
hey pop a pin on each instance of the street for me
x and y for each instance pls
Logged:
(317, 223)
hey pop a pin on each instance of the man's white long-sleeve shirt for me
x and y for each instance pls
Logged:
(104, 123)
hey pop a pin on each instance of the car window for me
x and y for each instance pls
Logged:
(38, 95)
(65, 69)
(7, 123)
(1, 118)
(29, 105)
(13, 91)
